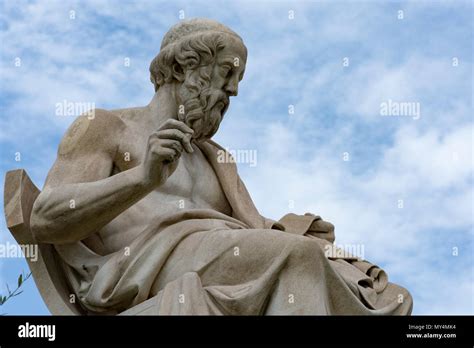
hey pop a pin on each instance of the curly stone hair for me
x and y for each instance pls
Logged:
(187, 46)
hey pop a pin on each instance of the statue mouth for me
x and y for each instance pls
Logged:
(220, 105)
(221, 108)
(223, 105)
(218, 101)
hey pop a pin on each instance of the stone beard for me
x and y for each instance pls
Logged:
(191, 64)
(203, 106)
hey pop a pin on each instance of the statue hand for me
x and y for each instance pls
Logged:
(164, 148)
(321, 226)
(322, 229)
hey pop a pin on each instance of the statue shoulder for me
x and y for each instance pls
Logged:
(96, 130)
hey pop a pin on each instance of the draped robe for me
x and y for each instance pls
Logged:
(200, 261)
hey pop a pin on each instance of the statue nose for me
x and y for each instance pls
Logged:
(232, 88)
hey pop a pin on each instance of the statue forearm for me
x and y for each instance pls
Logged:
(72, 212)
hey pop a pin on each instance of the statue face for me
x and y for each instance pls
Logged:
(229, 67)
(205, 102)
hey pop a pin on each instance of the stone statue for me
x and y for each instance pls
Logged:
(144, 219)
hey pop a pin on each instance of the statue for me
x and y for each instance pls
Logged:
(144, 219)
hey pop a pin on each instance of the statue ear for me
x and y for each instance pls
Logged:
(178, 72)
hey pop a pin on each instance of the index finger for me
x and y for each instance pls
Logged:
(175, 124)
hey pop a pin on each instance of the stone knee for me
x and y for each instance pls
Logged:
(305, 250)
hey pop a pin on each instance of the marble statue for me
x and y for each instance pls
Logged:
(144, 219)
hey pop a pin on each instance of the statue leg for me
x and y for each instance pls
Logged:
(262, 272)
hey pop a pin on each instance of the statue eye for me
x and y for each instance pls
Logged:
(225, 70)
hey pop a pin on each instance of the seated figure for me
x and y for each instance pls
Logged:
(139, 208)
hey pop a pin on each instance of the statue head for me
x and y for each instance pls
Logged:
(206, 61)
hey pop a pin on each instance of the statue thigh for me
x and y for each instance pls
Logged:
(230, 257)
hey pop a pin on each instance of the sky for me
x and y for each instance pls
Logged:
(310, 105)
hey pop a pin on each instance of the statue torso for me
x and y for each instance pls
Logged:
(193, 185)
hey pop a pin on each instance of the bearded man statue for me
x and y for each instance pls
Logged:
(160, 226)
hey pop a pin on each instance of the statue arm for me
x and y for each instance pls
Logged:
(80, 195)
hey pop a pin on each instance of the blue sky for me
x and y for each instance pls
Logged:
(426, 162)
